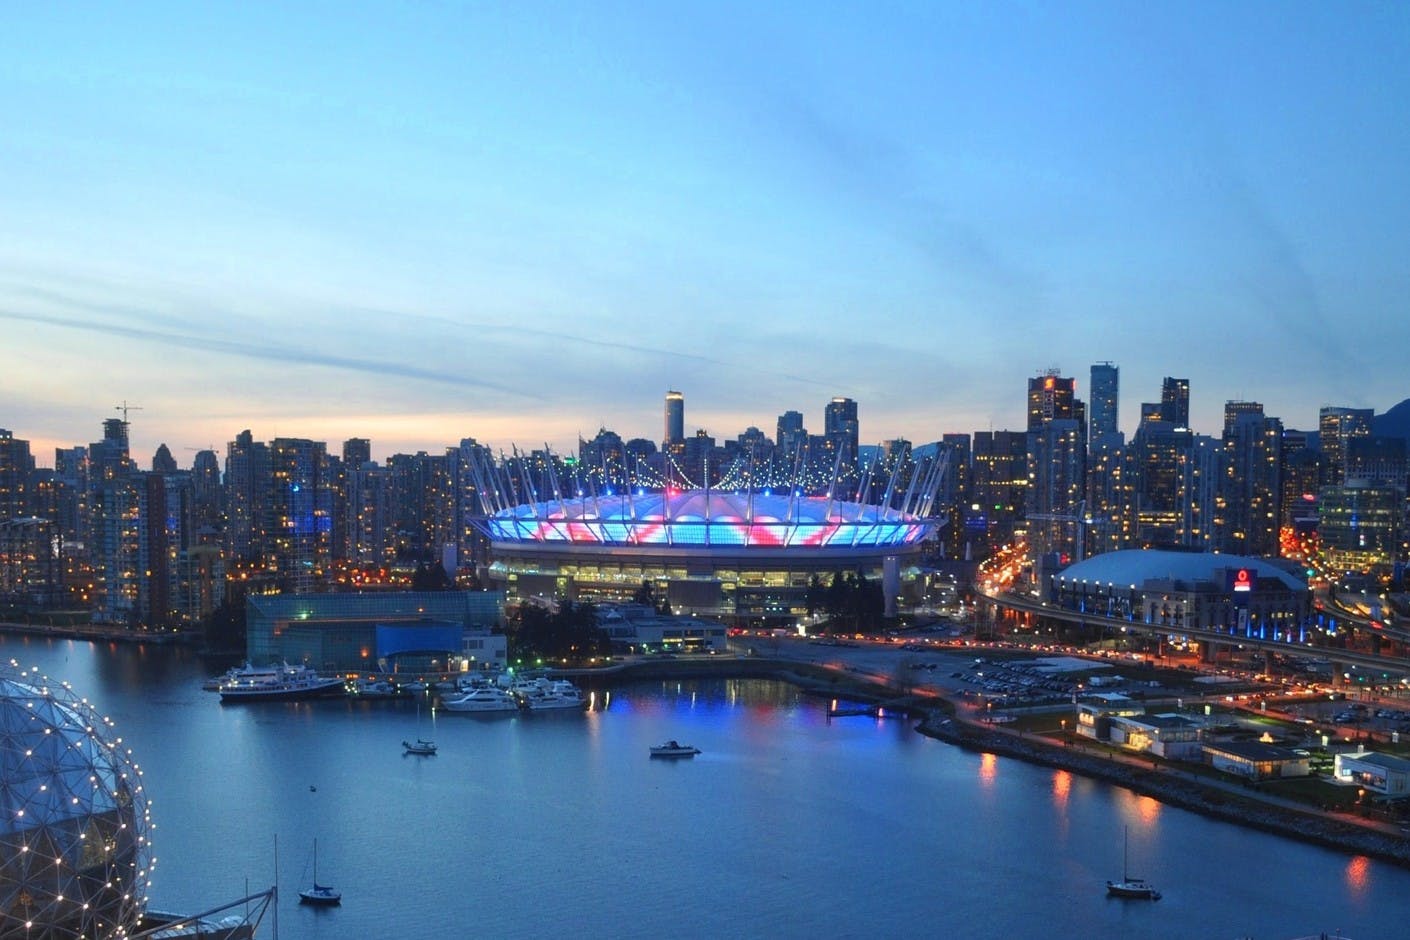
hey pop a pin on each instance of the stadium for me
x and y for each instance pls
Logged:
(738, 555)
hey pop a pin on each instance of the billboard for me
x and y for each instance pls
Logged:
(1240, 583)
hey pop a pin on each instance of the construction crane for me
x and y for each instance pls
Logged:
(125, 408)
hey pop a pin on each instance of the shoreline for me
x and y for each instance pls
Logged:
(939, 719)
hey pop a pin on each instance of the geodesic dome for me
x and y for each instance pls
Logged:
(75, 859)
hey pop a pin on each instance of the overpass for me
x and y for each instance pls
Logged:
(1389, 657)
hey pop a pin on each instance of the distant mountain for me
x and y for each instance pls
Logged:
(1394, 423)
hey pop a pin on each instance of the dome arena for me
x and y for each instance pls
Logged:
(75, 858)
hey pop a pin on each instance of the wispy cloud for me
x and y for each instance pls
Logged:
(265, 352)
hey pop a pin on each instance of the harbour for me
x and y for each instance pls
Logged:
(561, 821)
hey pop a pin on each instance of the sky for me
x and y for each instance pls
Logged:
(521, 222)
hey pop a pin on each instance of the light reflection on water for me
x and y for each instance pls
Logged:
(787, 824)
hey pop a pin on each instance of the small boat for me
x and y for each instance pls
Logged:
(420, 746)
(1128, 887)
(673, 749)
(489, 700)
(319, 894)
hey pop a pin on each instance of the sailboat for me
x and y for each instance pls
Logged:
(420, 745)
(1129, 887)
(319, 894)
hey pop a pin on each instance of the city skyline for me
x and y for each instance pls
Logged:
(426, 224)
(42, 445)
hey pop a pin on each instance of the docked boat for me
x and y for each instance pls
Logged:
(674, 749)
(375, 688)
(286, 683)
(244, 673)
(548, 695)
(488, 700)
(420, 746)
(1129, 887)
(319, 894)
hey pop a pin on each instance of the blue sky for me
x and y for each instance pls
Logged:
(423, 222)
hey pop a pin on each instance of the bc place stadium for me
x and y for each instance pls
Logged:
(736, 554)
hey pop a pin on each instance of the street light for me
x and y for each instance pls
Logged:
(1064, 733)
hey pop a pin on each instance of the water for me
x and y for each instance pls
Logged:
(786, 826)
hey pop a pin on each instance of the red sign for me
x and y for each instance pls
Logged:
(1243, 581)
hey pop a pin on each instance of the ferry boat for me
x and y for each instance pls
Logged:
(283, 684)
(490, 699)
(674, 749)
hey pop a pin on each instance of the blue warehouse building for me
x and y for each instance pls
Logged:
(421, 631)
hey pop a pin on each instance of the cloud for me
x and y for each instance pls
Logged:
(266, 352)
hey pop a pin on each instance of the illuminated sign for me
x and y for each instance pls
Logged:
(1240, 583)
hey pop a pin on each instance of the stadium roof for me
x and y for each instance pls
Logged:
(697, 518)
(1136, 566)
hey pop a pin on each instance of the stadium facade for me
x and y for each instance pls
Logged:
(734, 554)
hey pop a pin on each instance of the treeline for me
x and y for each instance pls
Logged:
(851, 601)
(571, 632)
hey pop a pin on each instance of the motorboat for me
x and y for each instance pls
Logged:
(546, 695)
(375, 688)
(674, 749)
(420, 746)
(490, 699)
(1129, 887)
(319, 894)
(286, 683)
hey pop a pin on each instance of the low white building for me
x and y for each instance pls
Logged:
(1255, 760)
(1171, 736)
(641, 629)
(1382, 774)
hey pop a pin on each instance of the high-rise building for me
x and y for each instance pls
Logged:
(116, 533)
(1175, 401)
(1236, 407)
(1109, 494)
(1057, 487)
(675, 421)
(246, 498)
(163, 461)
(356, 452)
(1159, 453)
(300, 501)
(1301, 476)
(1377, 461)
(1337, 425)
(791, 433)
(841, 428)
(1106, 386)
(1051, 397)
(16, 466)
(1248, 510)
(1360, 526)
(998, 482)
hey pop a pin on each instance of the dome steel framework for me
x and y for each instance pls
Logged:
(75, 856)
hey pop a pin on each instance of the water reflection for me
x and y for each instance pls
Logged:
(1358, 874)
(988, 769)
(1062, 788)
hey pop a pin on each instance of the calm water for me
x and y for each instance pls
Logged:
(786, 826)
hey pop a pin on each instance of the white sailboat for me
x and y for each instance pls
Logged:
(1129, 887)
(421, 745)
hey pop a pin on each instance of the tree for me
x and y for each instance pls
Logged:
(817, 594)
(430, 576)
